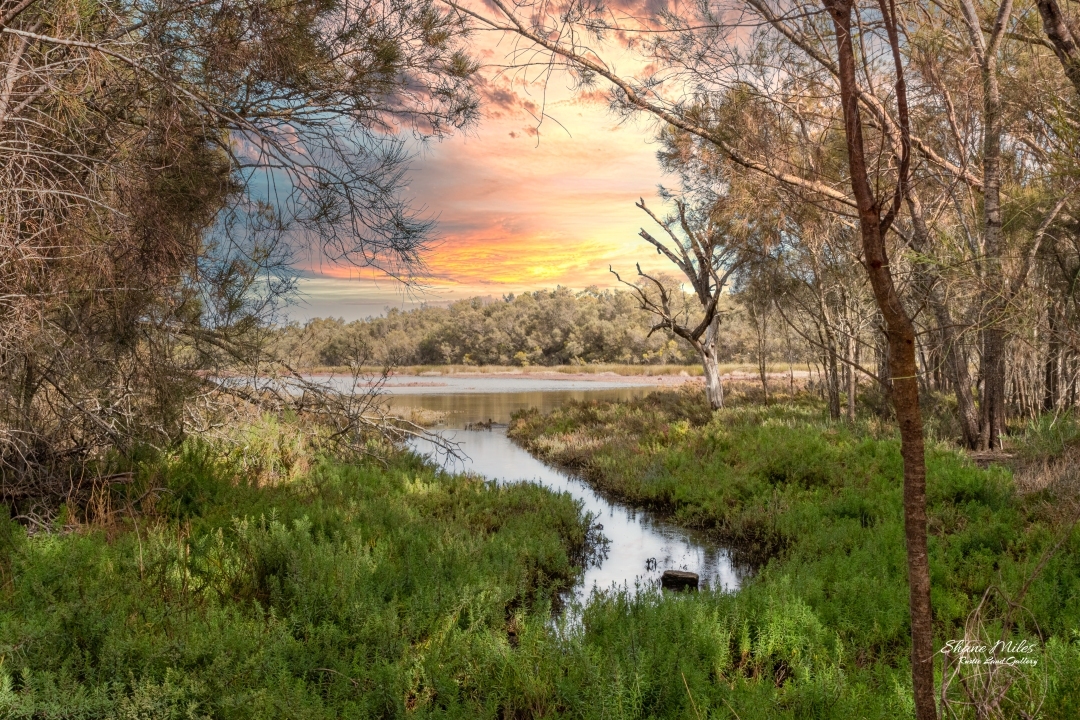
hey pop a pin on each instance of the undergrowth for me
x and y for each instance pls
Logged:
(269, 583)
(816, 505)
(357, 591)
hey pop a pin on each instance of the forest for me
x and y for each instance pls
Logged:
(883, 194)
(543, 327)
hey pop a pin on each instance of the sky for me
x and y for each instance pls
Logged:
(520, 205)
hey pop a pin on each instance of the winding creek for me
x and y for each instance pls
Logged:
(641, 544)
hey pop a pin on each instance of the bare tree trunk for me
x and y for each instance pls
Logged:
(1069, 367)
(830, 361)
(762, 329)
(881, 360)
(956, 361)
(790, 366)
(957, 364)
(833, 381)
(1051, 372)
(850, 377)
(923, 361)
(993, 335)
(992, 405)
(714, 386)
(901, 334)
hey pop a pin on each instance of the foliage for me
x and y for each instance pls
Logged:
(371, 591)
(358, 590)
(161, 164)
(816, 505)
(545, 327)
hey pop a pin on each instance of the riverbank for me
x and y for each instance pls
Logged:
(362, 590)
(269, 583)
(817, 505)
(659, 373)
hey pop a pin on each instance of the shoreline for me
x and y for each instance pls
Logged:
(659, 376)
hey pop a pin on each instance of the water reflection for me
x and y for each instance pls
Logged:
(473, 407)
(641, 546)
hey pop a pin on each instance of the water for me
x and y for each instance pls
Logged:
(642, 545)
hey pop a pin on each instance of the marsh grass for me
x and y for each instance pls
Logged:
(273, 582)
(817, 505)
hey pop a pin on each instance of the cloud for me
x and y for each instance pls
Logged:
(593, 96)
(520, 208)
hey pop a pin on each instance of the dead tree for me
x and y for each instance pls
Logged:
(706, 257)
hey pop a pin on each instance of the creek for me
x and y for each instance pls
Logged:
(641, 544)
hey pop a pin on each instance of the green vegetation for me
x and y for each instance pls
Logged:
(270, 583)
(355, 592)
(546, 327)
(818, 506)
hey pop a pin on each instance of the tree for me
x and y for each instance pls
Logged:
(695, 43)
(707, 256)
(163, 163)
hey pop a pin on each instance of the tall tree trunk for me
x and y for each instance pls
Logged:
(761, 348)
(790, 366)
(850, 377)
(833, 381)
(956, 361)
(902, 364)
(1051, 371)
(992, 404)
(993, 334)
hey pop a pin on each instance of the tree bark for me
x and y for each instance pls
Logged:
(714, 386)
(850, 378)
(992, 405)
(993, 335)
(1051, 371)
(762, 347)
(902, 365)
(1063, 38)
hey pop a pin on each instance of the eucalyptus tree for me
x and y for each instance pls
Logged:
(702, 54)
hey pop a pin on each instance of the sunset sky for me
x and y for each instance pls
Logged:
(518, 207)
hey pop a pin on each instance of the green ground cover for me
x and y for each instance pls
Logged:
(374, 591)
(816, 505)
(356, 592)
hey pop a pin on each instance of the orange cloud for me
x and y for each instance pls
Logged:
(540, 194)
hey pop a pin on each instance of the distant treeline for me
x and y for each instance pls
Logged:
(546, 327)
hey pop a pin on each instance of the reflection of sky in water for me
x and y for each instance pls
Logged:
(481, 399)
(636, 536)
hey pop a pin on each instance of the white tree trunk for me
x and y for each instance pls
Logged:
(714, 387)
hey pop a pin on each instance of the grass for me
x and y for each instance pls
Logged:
(359, 591)
(270, 583)
(817, 506)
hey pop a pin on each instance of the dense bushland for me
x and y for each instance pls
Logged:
(545, 327)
